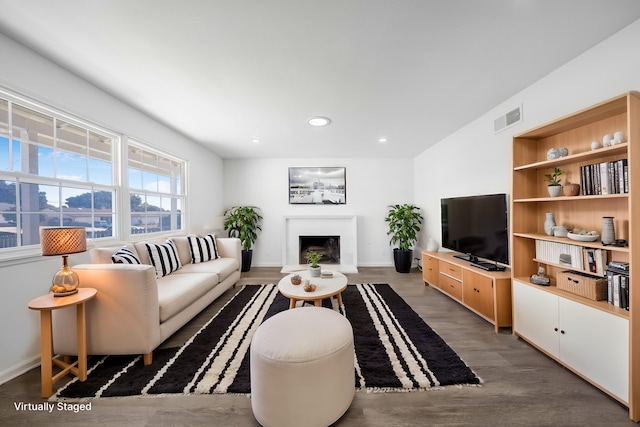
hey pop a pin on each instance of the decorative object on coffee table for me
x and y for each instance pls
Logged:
(314, 268)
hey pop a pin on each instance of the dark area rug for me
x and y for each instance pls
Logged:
(395, 350)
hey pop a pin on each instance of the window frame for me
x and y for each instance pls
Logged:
(136, 143)
(121, 210)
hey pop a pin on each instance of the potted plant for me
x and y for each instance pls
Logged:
(404, 224)
(314, 267)
(554, 182)
(242, 222)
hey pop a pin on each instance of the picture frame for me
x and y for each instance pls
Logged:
(317, 186)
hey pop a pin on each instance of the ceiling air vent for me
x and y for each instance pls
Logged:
(511, 118)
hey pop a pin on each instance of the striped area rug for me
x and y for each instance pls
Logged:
(395, 350)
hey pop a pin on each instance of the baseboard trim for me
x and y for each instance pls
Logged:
(19, 369)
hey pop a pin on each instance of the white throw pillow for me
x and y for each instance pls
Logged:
(203, 248)
(164, 257)
(124, 256)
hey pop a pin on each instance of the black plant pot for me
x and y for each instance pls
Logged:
(403, 260)
(246, 259)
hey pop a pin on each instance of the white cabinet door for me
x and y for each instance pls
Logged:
(535, 316)
(596, 344)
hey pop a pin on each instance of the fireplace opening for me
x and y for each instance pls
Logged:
(327, 246)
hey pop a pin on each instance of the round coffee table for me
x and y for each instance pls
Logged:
(326, 287)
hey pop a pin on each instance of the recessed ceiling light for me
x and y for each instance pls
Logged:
(255, 141)
(318, 121)
(382, 140)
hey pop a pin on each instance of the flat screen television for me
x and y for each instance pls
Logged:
(476, 226)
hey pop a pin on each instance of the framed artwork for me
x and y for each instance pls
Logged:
(317, 186)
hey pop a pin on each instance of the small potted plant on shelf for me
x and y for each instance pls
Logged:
(242, 222)
(313, 258)
(404, 225)
(554, 182)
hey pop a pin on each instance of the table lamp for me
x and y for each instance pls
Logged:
(63, 241)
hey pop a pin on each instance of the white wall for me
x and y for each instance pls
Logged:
(29, 74)
(372, 184)
(474, 160)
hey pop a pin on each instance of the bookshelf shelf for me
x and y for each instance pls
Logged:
(542, 314)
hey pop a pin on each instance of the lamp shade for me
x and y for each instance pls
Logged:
(63, 240)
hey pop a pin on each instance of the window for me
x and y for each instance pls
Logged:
(156, 190)
(53, 171)
(59, 170)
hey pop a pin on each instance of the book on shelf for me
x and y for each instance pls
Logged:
(560, 253)
(618, 286)
(605, 178)
(595, 260)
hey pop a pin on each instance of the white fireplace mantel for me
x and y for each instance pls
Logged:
(344, 226)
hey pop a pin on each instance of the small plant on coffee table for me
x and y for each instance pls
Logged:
(314, 258)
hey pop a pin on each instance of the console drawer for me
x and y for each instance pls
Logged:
(451, 286)
(452, 270)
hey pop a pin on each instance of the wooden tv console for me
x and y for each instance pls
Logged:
(486, 293)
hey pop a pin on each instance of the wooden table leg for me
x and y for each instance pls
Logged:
(339, 299)
(317, 303)
(82, 341)
(292, 303)
(46, 350)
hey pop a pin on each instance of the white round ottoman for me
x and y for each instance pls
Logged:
(302, 371)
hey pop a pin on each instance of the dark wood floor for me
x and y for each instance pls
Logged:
(521, 387)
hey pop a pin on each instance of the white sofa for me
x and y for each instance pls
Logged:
(134, 311)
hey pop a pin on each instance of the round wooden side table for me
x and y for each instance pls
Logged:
(46, 304)
(326, 288)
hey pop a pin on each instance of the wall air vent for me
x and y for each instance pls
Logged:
(511, 118)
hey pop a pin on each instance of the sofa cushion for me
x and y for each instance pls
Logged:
(182, 245)
(202, 248)
(178, 291)
(125, 256)
(222, 267)
(164, 257)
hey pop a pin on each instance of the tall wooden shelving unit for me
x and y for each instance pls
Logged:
(567, 327)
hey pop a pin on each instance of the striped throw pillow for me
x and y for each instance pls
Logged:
(164, 257)
(203, 248)
(125, 256)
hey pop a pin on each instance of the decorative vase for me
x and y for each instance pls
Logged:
(549, 223)
(554, 190)
(553, 154)
(432, 245)
(608, 232)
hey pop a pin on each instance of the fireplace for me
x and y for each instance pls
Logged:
(339, 227)
(327, 246)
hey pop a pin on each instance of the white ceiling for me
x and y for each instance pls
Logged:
(226, 72)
